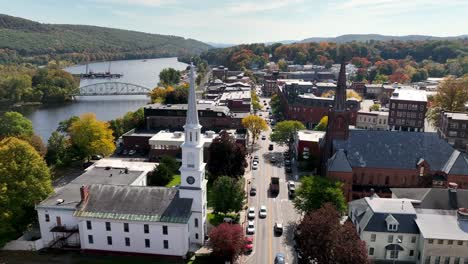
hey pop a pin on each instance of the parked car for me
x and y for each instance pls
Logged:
(250, 228)
(288, 169)
(228, 220)
(255, 165)
(279, 259)
(291, 189)
(256, 158)
(270, 147)
(253, 191)
(263, 137)
(278, 228)
(131, 152)
(248, 247)
(291, 185)
(273, 159)
(287, 162)
(251, 213)
(263, 211)
(96, 157)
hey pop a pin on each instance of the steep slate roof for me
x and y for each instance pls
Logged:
(135, 203)
(339, 163)
(402, 150)
(434, 198)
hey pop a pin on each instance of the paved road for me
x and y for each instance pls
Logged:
(280, 208)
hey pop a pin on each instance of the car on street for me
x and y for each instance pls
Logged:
(263, 211)
(291, 189)
(287, 162)
(288, 169)
(273, 159)
(256, 158)
(250, 228)
(270, 147)
(251, 213)
(96, 157)
(263, 137)
(278, 228)
(248, 247)
(125, 152)
(279, 258)
(253, 191)
(131, 152)
(255, 165)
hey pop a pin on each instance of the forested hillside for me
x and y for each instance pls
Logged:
(23, 40)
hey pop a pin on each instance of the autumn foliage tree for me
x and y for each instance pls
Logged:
(226, 157)
(255, 125)
(322, 238)
(90, 136)
(227, 241)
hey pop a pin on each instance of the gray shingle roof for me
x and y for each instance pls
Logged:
(338, 162)
(135, 203)
(406, 223)
(402, 150)
(434, 198)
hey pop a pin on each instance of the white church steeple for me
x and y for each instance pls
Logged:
(193, 182)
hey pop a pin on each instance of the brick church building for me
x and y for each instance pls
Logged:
(374, 161)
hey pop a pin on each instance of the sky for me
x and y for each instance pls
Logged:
(249, 21)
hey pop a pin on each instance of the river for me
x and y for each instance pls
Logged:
(45, 118)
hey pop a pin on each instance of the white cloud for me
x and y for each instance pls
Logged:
(150, 3)
(258, 6)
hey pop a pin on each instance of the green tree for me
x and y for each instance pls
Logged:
(285, 131)
(451, 96)
(90, 136)
(374, 107)
(282, 65)
(58, 149)
(380, 78)
(24, 182)
(315, 191)
(255, 101)
(169, 76)
(277, 108)
(322, 125)
(227, 195)
(14, 124)
(255, 125)
(171, 163)
(160, 176)
(64, 126)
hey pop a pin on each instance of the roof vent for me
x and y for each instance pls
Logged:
(60, 201)
(177, 134)
(395, 94)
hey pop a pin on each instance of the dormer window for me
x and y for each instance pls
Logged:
(392, 227)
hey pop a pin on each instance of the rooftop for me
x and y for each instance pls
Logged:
(135, 203)
(409, 95)
(440, 224)
(310, 136)
(434, 198)
(177, 138)
(373, 113)
(456, 115)
(204, 107)
(390, 206)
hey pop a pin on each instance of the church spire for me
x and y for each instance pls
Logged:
(340, 95)
(192, 113)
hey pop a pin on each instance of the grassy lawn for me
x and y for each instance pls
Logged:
(216, 219)
(175, 181)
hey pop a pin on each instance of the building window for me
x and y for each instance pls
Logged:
(460, 242)
(413, 239)
(450, 242)
(147, 243)
(166, 244)
(427, 260)
(190, 136)
(125, 227)
(127, 241)
(392, 227)
(90, 239)
(88, 225)
(431, 241)
(196, 235)
(108, 226)
(440, 242)
(371, 251)
(373, 237)
(47, 218)
(457, 260)
(164, 230)
(109, 240)
(447, 260)
(196, 222)
(390, 239)
(411, 253)
(437, 260)
(387, 180)
(394, 254)
(146, 228)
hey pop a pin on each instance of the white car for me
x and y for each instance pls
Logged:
(250, 228)
(251, 213)
(263, 211)
(291, 185)
(255, 165)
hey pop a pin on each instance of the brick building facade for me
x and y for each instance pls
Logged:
(407, 110)
(454, 128)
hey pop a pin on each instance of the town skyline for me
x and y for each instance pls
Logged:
(272, 21)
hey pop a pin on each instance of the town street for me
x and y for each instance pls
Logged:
(280, 208)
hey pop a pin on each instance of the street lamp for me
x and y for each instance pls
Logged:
(394, 249)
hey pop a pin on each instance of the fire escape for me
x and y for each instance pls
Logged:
(63, 237)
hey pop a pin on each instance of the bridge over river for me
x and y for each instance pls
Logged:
(112, 88)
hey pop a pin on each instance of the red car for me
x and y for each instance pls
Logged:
(248, 244)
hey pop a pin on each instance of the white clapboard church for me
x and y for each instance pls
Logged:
(110, 208)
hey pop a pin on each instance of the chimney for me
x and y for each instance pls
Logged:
(453, 198)
(372, 192)
(84, 193)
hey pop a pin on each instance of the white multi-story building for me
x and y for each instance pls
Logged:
(372, 120)
(110, 208)
(419, 225)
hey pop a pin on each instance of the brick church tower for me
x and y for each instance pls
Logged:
(338, 120)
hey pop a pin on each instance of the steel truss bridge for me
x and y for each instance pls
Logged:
(112, 88)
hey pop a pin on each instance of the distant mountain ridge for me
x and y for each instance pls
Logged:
(29, 39)
(378, 37)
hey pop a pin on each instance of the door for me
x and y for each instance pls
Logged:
(59, 221)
